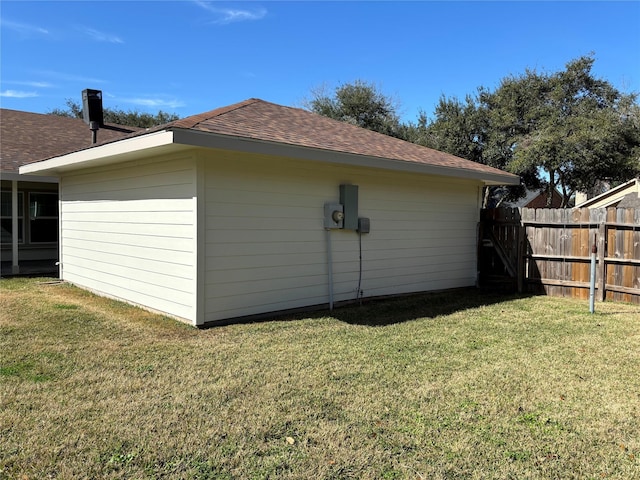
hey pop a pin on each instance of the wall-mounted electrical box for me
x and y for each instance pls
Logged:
(333, 215)
(349, 198)
(364, 225)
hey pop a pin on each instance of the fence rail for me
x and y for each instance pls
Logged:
(550, 249)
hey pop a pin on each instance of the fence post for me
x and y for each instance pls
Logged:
(602, 236)
(520, 256)
(592, 274)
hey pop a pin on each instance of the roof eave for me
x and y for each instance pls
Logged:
(117, 151)
(227, 142)
(15, 176)
(176, 138)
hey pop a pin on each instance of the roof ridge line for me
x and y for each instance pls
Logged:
(199, 118)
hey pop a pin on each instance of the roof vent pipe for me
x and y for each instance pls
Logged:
(94, 127)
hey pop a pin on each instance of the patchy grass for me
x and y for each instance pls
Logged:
(431, 386)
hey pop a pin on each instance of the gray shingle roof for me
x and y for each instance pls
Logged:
(260, 120)
(27, 137)
(255, 119)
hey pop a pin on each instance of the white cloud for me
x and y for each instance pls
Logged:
(227, 15)
(23, 28)
(39, 84)
(99, 36)
(155, 102)
(33, 84)
(17, 94)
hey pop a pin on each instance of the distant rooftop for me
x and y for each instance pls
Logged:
(27, 137)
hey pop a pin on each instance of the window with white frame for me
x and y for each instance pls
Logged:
(43, 217)
(6, 223)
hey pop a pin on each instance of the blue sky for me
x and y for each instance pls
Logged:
(187, 57)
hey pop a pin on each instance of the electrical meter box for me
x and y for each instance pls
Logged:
(333, 215)
(349, 199)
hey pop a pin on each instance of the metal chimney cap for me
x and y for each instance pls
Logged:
(92, 106)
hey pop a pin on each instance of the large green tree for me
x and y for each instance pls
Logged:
(131, 118)
(460, 129)
(358, 103)
(567, 130)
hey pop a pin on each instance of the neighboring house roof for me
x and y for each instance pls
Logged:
(262, 127)
(538, 199)
(626, 195)
(27, 137)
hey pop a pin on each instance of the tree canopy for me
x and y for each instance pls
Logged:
(566, 130)
(131, 118)
(359, 103)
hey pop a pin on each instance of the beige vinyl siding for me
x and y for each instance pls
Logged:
(266, 246)
(128, 231)
(425, 236)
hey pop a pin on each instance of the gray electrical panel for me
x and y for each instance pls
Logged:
(349, 199)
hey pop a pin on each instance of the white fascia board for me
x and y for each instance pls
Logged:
(103, 154)
(225, 142)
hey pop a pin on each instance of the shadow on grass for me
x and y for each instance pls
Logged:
(615, 312)
(388, 311)
(378, 312)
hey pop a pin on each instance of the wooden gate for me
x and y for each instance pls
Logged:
(500, 249)
(549, 250)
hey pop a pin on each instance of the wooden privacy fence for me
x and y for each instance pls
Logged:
(534, 250)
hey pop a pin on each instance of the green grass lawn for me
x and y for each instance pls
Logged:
(457, 385)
